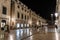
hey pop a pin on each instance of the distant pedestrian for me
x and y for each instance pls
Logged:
(6, 28)
(56, 26)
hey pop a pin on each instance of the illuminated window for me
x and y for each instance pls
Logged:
(18, 25)
(27, 25)
(21, 25)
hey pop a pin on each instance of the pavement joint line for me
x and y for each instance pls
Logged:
(29, 36)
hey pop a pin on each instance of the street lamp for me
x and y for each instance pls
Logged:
(56, 15)
(51, 15)
(56, 21)
(52, 18)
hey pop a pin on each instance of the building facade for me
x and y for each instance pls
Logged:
(5, 7)
(17, 15)
(58, 11)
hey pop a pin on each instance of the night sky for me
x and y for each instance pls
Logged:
(42, 7)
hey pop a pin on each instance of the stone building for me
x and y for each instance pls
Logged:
(5, 7)
(58, 12)
(17, 15)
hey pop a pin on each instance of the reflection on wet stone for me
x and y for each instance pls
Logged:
(31, 34)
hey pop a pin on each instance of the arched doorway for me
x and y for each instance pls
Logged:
(3, 23)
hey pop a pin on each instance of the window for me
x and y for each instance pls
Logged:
(21, 25)
(25, 10)
(18, 6)
(12, 6)
(25, 17)
(18, 15)
(25, 25)
(4, 10)
(19, 2)
(22, 8)
(22, 16)
(18, 25)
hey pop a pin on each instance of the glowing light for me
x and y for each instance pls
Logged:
(18, 25)
(56, 14)
(27, 25)
(37, 23)
(13, 19)
(21, 25)
(30, 22)
(56, 22)
(51, 14)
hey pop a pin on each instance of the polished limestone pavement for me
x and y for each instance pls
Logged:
(31, 34)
